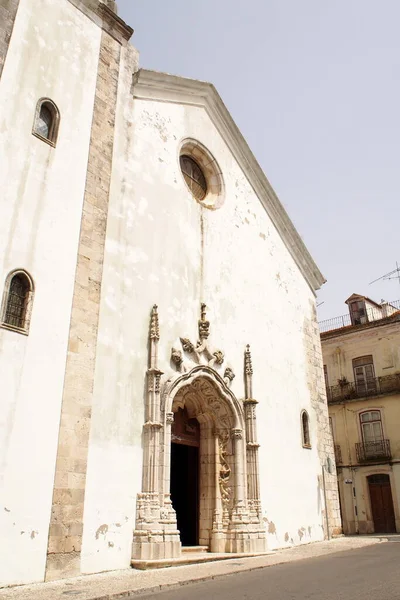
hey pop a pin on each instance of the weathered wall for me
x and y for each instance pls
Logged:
(8, 12)
(53, 52)
(347, 433)
(381, 341)
(163, 247)
(66, 528)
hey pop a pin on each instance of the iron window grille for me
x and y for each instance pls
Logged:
(194, 177)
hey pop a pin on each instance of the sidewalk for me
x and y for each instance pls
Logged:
(117, 585)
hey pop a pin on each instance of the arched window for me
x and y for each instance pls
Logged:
(305, 429)
(17, 301)
(47, 120)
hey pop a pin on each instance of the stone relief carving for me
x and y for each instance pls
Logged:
(187, 345)
(154, 324)
(229, 375)
(176, 357)
(225, 470)
(231, 425)
(204, 325)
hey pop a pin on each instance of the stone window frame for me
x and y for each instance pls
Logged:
(28, 304)
(55, 124)
(305, 429)
(215, 196)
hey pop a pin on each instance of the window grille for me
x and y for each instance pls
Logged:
(17, 301)
(44, 123)
(194, 177)
(305, 427)
(47, 121)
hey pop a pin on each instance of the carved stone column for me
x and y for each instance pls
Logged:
(155, 534)
(252, 446)
(153, 423)
(217, 534)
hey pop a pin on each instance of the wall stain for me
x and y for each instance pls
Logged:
(301, 533)
(102, 530)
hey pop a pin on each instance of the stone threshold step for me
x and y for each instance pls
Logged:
(192, 559)
(196, 549)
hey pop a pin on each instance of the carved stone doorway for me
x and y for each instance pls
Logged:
(197, 405)
(185, 438)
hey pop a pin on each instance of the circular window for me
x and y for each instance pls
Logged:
(202, 174)
(194, 177)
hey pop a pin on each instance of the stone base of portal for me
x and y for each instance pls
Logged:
(153, 545)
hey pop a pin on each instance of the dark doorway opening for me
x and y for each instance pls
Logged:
(185, 491)
(382, 503)
(185, 476)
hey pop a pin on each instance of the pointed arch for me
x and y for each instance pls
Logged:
(174, 386)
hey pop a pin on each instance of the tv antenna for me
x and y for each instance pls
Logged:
(395, 274)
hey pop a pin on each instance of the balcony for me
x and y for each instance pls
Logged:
(338, 454)
(371, 314)
(371, 451)
(350, 390)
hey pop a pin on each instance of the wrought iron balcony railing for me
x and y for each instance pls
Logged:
(368, 451)
(349, 390)
(338, 454)
(369, 315)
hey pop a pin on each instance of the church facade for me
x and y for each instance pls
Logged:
(162, 381)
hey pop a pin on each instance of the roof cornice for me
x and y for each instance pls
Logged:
(106, 18)
(161, 87)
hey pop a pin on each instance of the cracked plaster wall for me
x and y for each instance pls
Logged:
(163, 247)
(53, 52)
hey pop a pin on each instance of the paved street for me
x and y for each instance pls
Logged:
(366, 574)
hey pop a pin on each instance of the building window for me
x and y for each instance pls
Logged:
(305, 429)
(202, 174)
(371, 426)
(358, 313)
(17, 302)
(47, 120)
(194, 177)
(364, 375)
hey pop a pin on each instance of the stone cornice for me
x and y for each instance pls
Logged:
(113, 24)
(162, 87)
(104, 17)
(358, 330)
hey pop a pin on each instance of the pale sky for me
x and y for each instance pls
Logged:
(314, 86)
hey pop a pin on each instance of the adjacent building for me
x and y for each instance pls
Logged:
(361, 353)
(160, 359)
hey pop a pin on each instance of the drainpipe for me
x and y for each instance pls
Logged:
(352, 472)
(326, 503)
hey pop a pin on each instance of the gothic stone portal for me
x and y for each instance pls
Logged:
(228, 521)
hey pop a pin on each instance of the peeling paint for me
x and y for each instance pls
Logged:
(102, 530)
(301, 533)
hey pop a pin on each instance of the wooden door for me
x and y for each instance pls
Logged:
(381, 504)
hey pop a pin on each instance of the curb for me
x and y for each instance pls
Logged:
(156, 589)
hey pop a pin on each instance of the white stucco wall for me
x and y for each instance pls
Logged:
(162, 247)
(54, 53)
